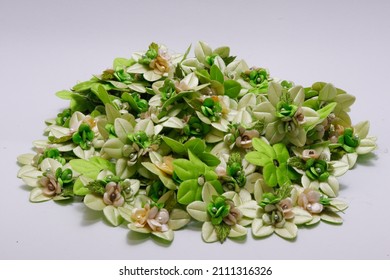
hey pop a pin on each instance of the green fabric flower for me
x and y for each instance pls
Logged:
(218, 209)
(273, 159)
(84, 136)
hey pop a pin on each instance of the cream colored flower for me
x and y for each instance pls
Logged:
(181, 86)
(155, 219)
(161, 63)
(166, 165)
(113, 195)
(245, 138)
(286, 206)
(234, 214)
(50, 185)
(158, 219)
(310, 153)
(140, 216)
(309, 200)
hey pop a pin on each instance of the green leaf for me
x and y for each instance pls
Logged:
(175, 98)
(121, 62)
(80, 103)
(92, 167)
(203, 75)
(281, 151)
(282, 175)
(325, 111)
(222, 230)
(112, 215)
(232, 88)
(209, 159)
(79, 188)
(103, 163)
(217, 87)
(84, 86)
(176, 146)
(196, 145)
(129, 99)
(216, 74)
(264, 148)
(269, 173)
(185, 169)
(189, 191)
(257, 158)
(64, 94)
(101, 93)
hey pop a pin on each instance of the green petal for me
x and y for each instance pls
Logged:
(237, 231)
(366, 146)
(264, 148)
(330, 188)
(36, 195)
(178, 218)
(301, 216)
(259, 229)
(270, 175)
(122, 129)
(112, 215)
(208, 192)
(185, 169)
(94, 202)
(281, 152)
(113, 148)
(289, 231)
(198, 211)
(189, 191)
(138, 229)
(30, 175)
(208, 233)
(166, 235)
(327, 93)
(331, 217)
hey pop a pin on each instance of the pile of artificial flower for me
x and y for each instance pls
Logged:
(161, 140)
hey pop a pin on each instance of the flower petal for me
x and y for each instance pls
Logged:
(259, 229)
(208, 233)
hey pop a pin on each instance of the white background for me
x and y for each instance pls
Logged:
(46, 46)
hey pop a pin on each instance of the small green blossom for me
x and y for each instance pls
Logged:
(84, 136)
(218, 209)
(212, 109)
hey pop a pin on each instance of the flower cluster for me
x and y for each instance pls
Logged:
(162, 139)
